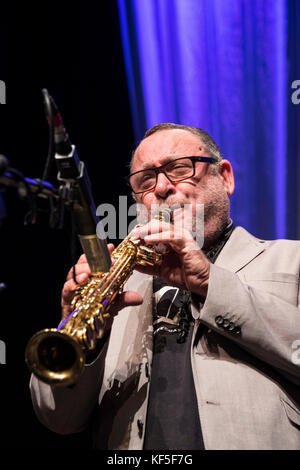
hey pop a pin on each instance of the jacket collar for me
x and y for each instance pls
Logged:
(240, 249)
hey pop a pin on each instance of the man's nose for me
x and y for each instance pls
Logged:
(163, 185)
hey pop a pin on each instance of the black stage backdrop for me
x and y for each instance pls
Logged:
(76, 53)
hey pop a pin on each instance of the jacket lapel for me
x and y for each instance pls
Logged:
(130, 342)
(240, 249)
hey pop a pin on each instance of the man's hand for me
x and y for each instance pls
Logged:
(184, 265)
(83, 274)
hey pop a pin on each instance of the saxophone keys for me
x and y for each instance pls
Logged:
(86, 337)
(99, 321)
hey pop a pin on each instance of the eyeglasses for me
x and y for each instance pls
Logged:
(176, 170)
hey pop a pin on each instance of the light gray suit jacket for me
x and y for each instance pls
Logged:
(246, 364)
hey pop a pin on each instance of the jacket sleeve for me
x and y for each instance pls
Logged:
(259, 321)
(66, 410)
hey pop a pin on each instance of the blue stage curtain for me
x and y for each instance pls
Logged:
(222, 66)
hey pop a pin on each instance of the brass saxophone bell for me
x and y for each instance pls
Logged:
(57, 356)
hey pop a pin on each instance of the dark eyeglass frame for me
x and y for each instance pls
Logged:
(159, 169)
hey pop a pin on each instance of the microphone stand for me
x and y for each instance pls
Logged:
(31, 189)
(74, 192)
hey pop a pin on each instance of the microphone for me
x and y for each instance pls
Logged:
(73, 173)
(61, 138)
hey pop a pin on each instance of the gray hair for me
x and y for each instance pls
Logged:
(210, 145)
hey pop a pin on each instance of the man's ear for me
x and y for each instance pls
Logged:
(226, 173)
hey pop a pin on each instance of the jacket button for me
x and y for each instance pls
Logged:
(237, 330)
(231, 326)
(226, 323)
(219, 320)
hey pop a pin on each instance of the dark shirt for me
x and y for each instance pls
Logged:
(173, 418)
(173, 421)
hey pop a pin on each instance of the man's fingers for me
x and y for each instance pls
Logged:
(82, 259)
(70, 286)
(80, 268)
(131, 298)
(154, 226)
(82, 275)
(68, 291)
(110, 247)
(125, 299)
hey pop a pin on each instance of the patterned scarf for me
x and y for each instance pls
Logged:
(172, 306)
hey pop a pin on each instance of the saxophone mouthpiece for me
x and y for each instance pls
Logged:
(165, 214)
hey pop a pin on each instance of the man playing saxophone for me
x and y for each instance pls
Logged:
(198, 350)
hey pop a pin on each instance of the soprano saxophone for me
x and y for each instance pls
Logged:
(57, 355)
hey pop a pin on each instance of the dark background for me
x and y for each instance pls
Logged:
(75, 53)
